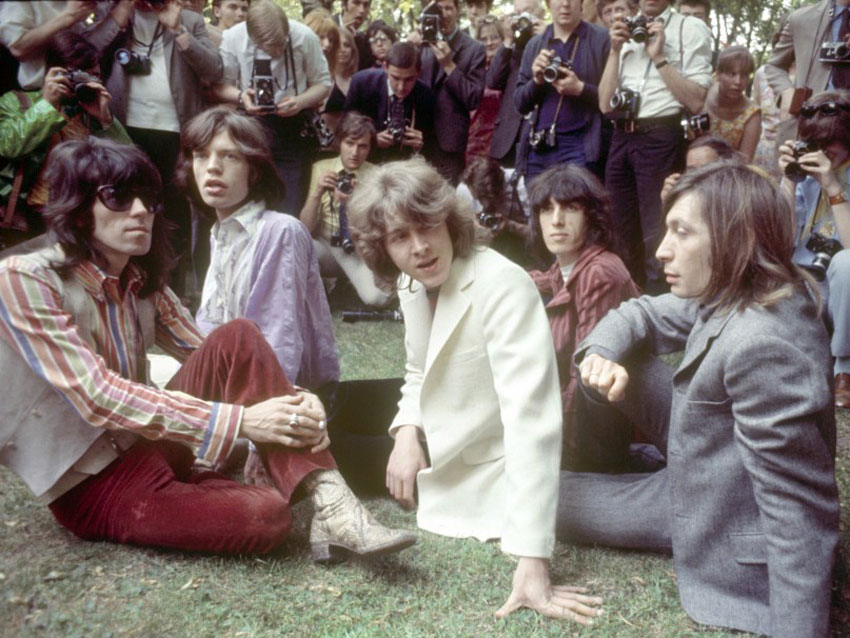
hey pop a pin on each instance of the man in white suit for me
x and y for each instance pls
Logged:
(481, 387)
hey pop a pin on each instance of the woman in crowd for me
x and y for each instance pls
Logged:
(482, 123)
(323, 25)
(348, 61)
(381, 37)
(734, 117)
(748, 502)
(571, 221)
(765, 98)
(481, 390)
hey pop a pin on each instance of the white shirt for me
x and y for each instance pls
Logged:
(311, 68)
(227, 284)
(16, 18)
(691, 58)
(150, 104)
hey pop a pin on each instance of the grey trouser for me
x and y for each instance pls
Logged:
(625, 510)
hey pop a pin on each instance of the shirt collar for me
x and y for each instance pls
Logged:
(248, 216)
(94, 279)
(665, 15)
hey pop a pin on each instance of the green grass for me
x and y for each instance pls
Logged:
(52, 584)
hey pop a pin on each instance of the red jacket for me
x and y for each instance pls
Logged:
(598, 282)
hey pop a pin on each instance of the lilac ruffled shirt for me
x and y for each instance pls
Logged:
(263, 268)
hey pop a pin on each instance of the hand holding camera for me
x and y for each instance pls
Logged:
(801, 158)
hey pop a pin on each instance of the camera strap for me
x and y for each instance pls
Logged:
(157, 33)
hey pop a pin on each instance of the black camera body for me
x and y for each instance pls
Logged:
(834, 53)
(489, 220)
(315, 127)
(625, 104)
(793, 170)
(396, 122)
(133, 63)
(430, 24)
(262, 82)
(543, 140)
(555, 69)
(638, 26)
(83, 93)
(699, 123)
(824, 248)
(338, 241)
(345, 181)
(522, 26)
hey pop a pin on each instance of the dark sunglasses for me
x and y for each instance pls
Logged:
(120, 198)
(827, 108)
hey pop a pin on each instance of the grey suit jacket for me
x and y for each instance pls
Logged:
(186, 69)
(799, 41)
(456, 94)
(751, 451)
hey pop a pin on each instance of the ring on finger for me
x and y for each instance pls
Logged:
(293, 420)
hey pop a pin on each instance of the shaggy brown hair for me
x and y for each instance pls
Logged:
(411, 190)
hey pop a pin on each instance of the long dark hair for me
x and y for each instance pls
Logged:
(250, 138)
(75, 169)
(571, 184)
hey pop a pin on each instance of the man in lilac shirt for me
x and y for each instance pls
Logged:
(262, 266)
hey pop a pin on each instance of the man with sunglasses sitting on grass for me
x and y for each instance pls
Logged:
(817, 173)
(114, 456)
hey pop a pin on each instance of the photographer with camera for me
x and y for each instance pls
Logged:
(557, 85)
(811, 42)
(399, 104)
(817, 174)
(525, 21)
(659, 63)
(72, 105)
(332, 183)
(275, 69)
(453, 67)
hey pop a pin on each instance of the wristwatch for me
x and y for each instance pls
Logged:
(660, 65)
(835, 200)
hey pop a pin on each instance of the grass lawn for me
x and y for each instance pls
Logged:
(52, 584)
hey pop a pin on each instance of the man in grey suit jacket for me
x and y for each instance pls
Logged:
(453, 68)
(800, 41)
(748, 501)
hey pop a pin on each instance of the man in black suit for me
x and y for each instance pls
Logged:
(354, 15)
(400, 105)
(502, 76)
(453, 68)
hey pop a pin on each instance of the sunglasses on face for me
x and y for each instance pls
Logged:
(120, 198)
(379, 39)
(489, 19)
(826, 108)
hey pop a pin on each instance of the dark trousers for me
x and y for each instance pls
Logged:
(638, 164)
(569, 149)
(152, 496)
(624, 510)
(294, 156)
(163, 148)
(449, 165)
(358, 422)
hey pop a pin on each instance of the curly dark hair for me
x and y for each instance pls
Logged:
(75, 170)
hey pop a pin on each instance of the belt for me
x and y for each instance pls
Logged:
(642, 125)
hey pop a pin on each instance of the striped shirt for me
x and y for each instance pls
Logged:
(105, 380)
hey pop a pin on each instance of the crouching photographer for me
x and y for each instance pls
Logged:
(557, 87)
(72, 104)
(332, 182)
(817, 171)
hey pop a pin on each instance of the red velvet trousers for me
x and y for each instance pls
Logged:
(152, 495)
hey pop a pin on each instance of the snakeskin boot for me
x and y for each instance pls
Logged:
(342, 524)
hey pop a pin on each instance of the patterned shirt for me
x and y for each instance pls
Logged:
(105, 380)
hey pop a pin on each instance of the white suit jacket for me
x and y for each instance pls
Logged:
(482, 385)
